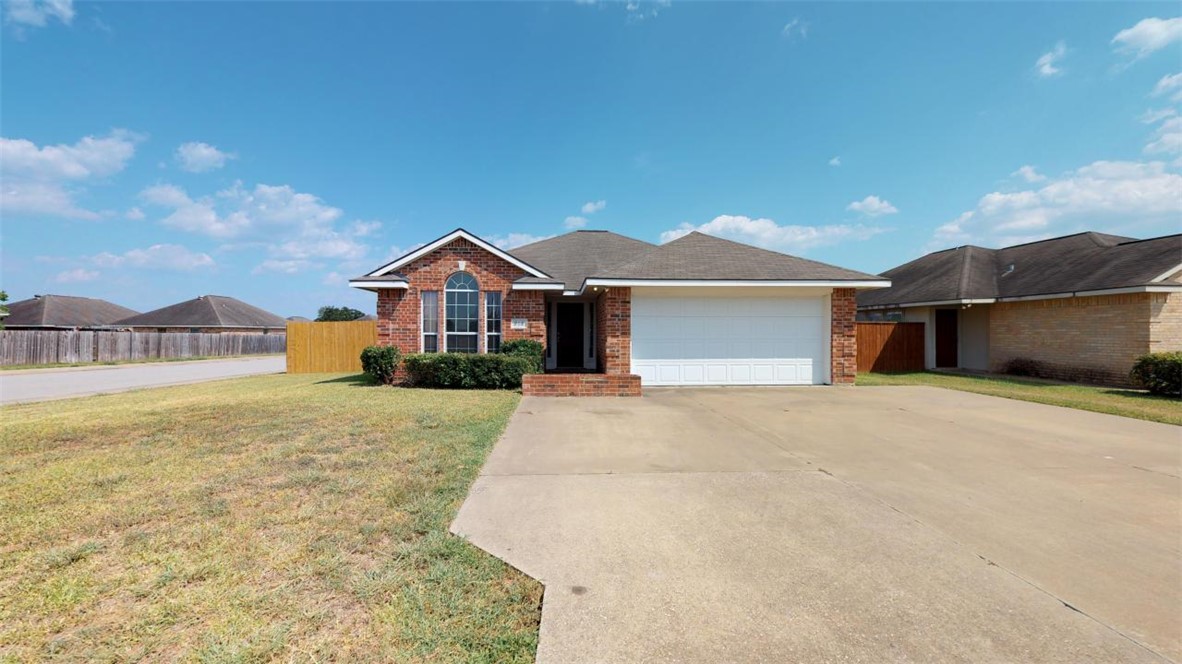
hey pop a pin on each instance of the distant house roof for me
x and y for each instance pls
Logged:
(207, 311)
(1072, 264)
(299, 319)
(64, 311)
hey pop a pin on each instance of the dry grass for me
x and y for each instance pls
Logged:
(1114, 401)
(268, 518)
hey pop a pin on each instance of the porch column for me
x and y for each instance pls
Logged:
(843, 340)
(613, 329)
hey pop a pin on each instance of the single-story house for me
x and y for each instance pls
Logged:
(614, 312)
(1078, 307)
(209, 314)
(63, 312)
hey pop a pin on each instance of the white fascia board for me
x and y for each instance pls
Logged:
(1167, 274)
(1162, 288)
(370, 285)
(934, 303)
(732, 283)
(456, 234)
(538, 287)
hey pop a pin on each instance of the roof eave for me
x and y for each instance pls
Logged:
(450, 237)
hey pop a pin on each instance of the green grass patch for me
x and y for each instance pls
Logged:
(291, 518)
(1138, 404)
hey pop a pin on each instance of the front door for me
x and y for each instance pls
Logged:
(946, 340)
(570, 335)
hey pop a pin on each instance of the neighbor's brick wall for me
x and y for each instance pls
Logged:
(613, 329)
(1165, 322)
(398, 310)
(1091, 339)
(580, 385)
(843, 339)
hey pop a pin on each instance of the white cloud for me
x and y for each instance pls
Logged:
(1171, 83)
(1167, 139)
(591, 207)
(872, 206)
(1028, 174)
(1149, 35)
(1157, 115)
(637, 11)
(836, 161)
(1047, 63)
(44, 181)
(334, 279)
(156, 257)
(514, 240)
(36, 13)
(1102, 195)
(197, 157)
(574, 222)
(770, 235)
(75, 276)
(134, 214)
(796, 28)
(282, 266)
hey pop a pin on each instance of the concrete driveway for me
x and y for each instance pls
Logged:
(46, 384)
(838, 524)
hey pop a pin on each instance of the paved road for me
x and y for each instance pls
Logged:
(46, 384)
(882, 524)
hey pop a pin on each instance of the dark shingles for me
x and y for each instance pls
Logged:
(64, 311)
(698, 256)
(207, 311)
(1073, 263)
(573, 257)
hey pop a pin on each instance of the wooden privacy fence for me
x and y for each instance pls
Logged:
(890, 346)
(79, 346)
(328, 347)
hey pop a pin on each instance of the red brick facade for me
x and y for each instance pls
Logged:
(843, 339)
(613, 329)
(399, 315)
(581, 385)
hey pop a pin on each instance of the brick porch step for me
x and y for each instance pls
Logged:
(580, 385)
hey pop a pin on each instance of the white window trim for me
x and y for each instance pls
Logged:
(423, 330)
(479, 304)
(501, 306)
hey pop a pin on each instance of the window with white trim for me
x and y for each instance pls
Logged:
(461, 313)
(430, 320)
(492, 322)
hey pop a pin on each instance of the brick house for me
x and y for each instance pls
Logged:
(210, 314)
(1079, 307)
(615, 313)
(63, 312)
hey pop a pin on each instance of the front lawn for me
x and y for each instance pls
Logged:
(1115, 401)
(292, 518)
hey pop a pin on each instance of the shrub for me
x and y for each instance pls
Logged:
(1160, 373)
(381, 362)
(527, 348)
(465, 371)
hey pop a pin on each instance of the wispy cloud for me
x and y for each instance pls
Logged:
(591, 207)
(1028, 174)
(514, 240)
(1048, 63)
(872, 206)
(1148, 36)
(37, 13)
(574, 223)
(795, 29)
(1171, 85)
(836, 161)
(197, 157)
(172, 257)
(44, 181)
(768, 234)
(77, 275)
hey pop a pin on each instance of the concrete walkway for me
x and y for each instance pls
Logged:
(829, 524)
(47, 384)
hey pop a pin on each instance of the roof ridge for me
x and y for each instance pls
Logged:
(965, 266)
(1148, 239)
(208, 299)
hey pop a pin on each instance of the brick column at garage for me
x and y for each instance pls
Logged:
(613, 327)
(843, 339)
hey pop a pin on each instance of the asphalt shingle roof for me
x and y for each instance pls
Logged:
(207, 311)
(1073, 263)
(64, 311)
(573, 257)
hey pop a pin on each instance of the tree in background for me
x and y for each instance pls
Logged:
(3, 308)
(331, 313)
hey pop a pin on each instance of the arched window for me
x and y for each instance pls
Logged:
(461, 313)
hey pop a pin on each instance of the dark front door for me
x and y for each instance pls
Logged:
(946, 338)
(570, 335)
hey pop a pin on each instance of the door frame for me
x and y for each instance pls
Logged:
(588, 333)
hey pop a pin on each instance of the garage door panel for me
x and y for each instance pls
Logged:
(721, 341)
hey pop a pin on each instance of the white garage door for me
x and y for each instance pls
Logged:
(729, 341)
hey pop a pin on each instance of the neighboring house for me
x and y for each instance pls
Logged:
(1079, 307)
(64, 312)
(613, 311)
(209, 314)
(298, 319)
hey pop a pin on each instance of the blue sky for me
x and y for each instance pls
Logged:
(153, 152)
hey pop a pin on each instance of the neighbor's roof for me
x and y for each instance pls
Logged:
(1071, 264)
(64, 311)
(206, 311)
(573, 257)
(701, 257)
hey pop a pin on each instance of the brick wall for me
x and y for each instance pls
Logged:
(398, 309)
(613, 329)
(843, 340)
(1165, 322)
(581, 385)
(1091, 339)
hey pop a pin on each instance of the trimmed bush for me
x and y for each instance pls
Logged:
(1160, 373)
(495, 371)
(381, 362)
(527, 348)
